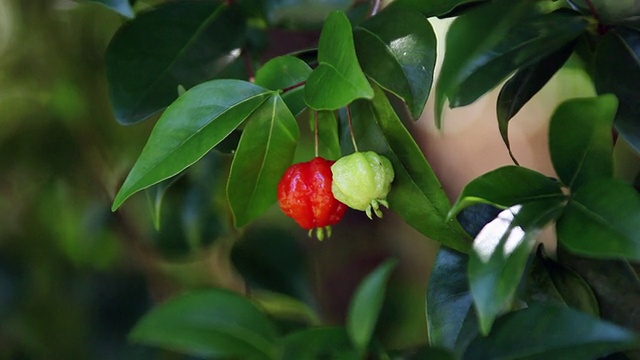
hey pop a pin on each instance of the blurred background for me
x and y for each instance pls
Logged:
(75, 277)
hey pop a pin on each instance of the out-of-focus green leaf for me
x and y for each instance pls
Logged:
(448, 298)
(524, 84)
(366, 304)
(284, 307)
(265, 151)
(302, 13)
(211, 323)
(508, 186)
(553, 283)
(416, 194)
(198, 40)
(397, 49)
(617, 71)
(318, 343)
(601, 221)
(580, 140)
(122, 7)
(486, 45)
(431, 353)
(189, 128)
(500, 253)
(433, 7)
(338, 80)
(542, 332)
(282, 72)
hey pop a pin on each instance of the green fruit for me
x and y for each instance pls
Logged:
(362, 181)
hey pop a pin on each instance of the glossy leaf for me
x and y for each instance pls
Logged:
(198, 40)
(338, 80)
(500, 253)
(328, 137)
(580, 140)
(548, 332)
(397, 50)
(486, 45)
(211, 323)
(264, 153)
(507, 186)
(283, 72)
(524, 84)
(120, 6)
(433, 7)
(572, 288)
(601, 221)
(189, 128)
(366, 305)
(416, 194)
(318, 343)
(617, 71)
(448, 298)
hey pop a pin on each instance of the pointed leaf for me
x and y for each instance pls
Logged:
(198, 40)
(507, 186)
(546, 332)
(484, 46)
(282, 72)
(617, 71)
(524, 84)
(265, 151)
(601, 221)
(433, 7)
(338, 80)
(580, 140)
(210, 323)
(416, 194)
(500, 253)
(448, 298)
(120, 6)
(189, 128)
(366, 304)
(397, 49)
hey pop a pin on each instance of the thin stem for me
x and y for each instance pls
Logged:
(294, 86)
(315, 124)
(353, 137)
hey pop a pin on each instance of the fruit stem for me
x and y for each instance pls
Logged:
(315, 125)
(353, 137)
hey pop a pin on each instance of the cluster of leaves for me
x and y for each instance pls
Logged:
(202, 79)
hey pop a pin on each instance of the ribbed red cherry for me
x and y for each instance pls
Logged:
(304, 194)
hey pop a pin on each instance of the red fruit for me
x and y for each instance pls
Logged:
(304, 194)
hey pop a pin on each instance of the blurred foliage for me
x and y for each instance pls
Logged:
(75, 277)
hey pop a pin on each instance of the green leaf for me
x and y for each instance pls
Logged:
(338, 80)
(265, 151)
(580, 140)
(122, 7)
(547, 332)
(507, 186)
(433, 7)
(155, 194)
(317, 343)
(366, 304)
(302, 13)
(430, 353)
(328, 137)
(448, 298)
(189, 128)
(280, 306)
(500, 253)
(617, 71)
(283, 72)
(416, 194)
(601, 221)
(397, 50)
(524, 84)
(199, 39)
(210, 323)
(486, 45)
